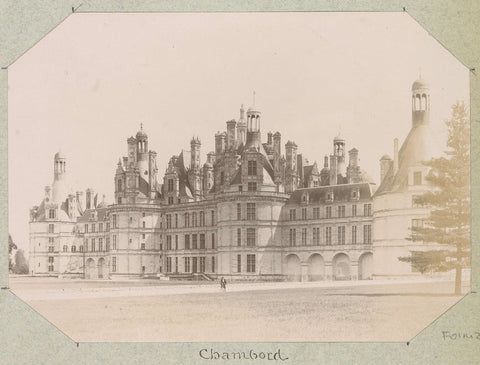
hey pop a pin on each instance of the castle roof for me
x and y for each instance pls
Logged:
(341, 193)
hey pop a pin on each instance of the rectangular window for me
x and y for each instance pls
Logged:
(222, 177)
(194, 219)
(239, 211)
(239, 236)
(142, 246)
(169, 264)
(250, 263)
(354, 210)
(194, 264)
(213, 263)
(170, 185)
(187, 264)
(202, 219)
(114, 221)
(93, 227)
(51, 213)
(251, 237)
(293, 237)
(187, 220)
(252, 168)
(354, 235)
(170, 200)
(86, 228)
(176, 242)
(202, 240)
(341, 235)
(100, 244)
(251, 211)
(51, 240)
(93, 244)
(367, 210)
(143, 224)
(367, 234)
(328, 235)
(51, 228)
(176, 220)
(100, 227)
(107, 243)
(51, 248)
(202, 264)
(316, 213)
(114, 242)
(239, 263)
(187, 242)
(304, 236)
(293, 214)
(240, 188)
(417, 178)
(169, 221)
(169, 242)
(108, 226)
(213, 217)
(252, 186)
(341, 211)
(328, 212)
(176, 264)
(50, 259)
(213, 240)
(114, 264)
(316, 236)
(304, 213)
(194, 241)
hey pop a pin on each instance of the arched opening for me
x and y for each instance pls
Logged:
(90, 270)
(294, 270)
(365, 266)
(417, 102)
(316, 267)
(102, 274)
(424, 102)
(341, 267)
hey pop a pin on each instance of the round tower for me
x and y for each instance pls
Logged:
(420, 102)
(142, 153)
(253, 128)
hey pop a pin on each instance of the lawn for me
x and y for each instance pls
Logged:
(386, 312)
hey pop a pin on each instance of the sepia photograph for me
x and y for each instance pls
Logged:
(239, 177)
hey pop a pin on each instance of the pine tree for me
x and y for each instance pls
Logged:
(449, 203)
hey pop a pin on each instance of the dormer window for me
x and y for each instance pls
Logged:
(252, 168)
(305, 198)
(355, 194)
(330, 196)
(51, 213)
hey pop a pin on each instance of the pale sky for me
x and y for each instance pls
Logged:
(87, 86)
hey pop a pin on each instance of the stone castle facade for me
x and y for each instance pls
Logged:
(251, 211)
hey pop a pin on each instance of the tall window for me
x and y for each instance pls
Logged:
(202, 240)
(176, 264)
(176, 242)
(213, 217)
(187, 220)
(143, 224)
(202, 219)
(93, 244)
(367, 209)
(170, 200)
(169, 264)
(328, 212)
(213, 263)
(194, 241)
(239, 211)
(86, 228)
(328, 235)
(169, 242)
(354, 210)
(252, 186)
(93, 227)
(169, 220)
(194, 219)
(316, 213)
(341, 211)
(304, 236)
(293, 237)
(367, 234)
(65, 248)
(176, 220)
(51, 213)
(114, 264)
(304, 213)
(250, 263)
(100, 244)
(213, 240)
(293, 214)
(239, 236)
(252, 168)
(114, 242)
(341, 235)
(187, 264)
(354, 235)
(114, 221)
(51, 228)
(316, 236)
(202, 264)
(187, 242)
(251, 237)
(170, 185)
(251, 211)
(417, 178)
(239, 263)
(222, 177)
(100, 227)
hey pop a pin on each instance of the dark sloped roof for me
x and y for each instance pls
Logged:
(101, 213)
(341, 193)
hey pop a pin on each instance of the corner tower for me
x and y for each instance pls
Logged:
(420, 102)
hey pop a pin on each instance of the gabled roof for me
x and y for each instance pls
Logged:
(341, 193)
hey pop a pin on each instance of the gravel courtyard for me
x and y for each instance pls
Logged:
(157, 311)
